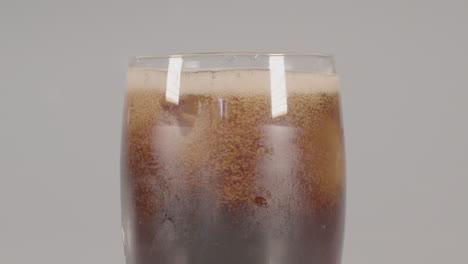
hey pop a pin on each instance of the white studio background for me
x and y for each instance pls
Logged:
(403, 68)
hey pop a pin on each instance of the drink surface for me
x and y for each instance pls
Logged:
(212, 176)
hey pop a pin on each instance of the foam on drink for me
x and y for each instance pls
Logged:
(232, 82)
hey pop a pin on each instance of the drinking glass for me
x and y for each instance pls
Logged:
(232, 158)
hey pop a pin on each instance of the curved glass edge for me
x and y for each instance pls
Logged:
(309, 62)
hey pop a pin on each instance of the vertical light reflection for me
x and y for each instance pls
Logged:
(279, 98)
(221, 107)
(173, 80)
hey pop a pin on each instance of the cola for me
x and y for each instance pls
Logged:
(211, 173)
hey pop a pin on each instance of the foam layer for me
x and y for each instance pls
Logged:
(232, 81)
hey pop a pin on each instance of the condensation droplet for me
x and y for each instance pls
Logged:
(260, 201)
(166, 231)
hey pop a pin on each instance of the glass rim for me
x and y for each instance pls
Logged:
(292, 61)
(250, 53)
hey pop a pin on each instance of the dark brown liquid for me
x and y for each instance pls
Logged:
(215, 179)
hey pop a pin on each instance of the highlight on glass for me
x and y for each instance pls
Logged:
(233, 158)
